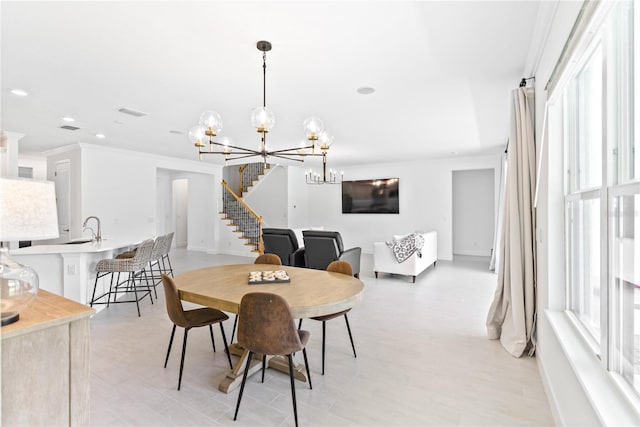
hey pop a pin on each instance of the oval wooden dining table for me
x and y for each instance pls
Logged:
(310, 293)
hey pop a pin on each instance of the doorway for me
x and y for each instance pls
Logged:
(180, 191)
(473, 212)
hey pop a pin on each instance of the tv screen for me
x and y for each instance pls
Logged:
(371, 196)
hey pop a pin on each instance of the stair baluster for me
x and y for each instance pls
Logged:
(242, 217)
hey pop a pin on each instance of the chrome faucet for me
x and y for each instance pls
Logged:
(98, 236)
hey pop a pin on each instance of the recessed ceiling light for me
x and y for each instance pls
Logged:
(68, 119)
(100, 135)
(19, 92)
(365, 90)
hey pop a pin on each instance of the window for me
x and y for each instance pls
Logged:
(592, 107)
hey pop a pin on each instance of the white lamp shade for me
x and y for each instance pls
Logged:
(27, 210)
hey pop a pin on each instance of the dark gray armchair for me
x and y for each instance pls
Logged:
(324, 247)
(283, 242)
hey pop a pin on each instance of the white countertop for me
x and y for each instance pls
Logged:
(106, 244)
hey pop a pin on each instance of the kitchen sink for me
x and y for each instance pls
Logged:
(77, 242)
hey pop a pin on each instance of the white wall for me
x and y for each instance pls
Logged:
(120, 187)
(425, 202)
(473, 212)
(37, 163)
(298, 203)
(231, 174)
(268, 197)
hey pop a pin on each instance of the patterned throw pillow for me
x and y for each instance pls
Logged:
(404, 247)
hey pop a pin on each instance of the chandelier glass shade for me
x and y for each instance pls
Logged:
(316, 143)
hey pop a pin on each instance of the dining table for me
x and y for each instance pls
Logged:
(308, 292)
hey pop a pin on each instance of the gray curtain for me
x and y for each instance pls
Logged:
(512, 315)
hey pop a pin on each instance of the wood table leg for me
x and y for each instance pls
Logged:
(234, 378)
(279, 363)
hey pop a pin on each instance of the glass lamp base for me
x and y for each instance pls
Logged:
(18, 287)
(9, 318)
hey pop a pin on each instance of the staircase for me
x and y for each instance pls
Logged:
(250, 173)
(245, 221)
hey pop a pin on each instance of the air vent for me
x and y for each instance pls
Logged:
(69, 127)
(132, 112)
(176, 132)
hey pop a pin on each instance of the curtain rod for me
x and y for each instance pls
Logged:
(523, 82)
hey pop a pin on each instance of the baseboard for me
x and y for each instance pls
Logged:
(197, 248)
(551, 398)
(472, 253)
(235, 253)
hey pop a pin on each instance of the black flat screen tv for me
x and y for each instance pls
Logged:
(371, 196)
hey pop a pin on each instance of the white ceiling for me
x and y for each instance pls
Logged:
(442, 72)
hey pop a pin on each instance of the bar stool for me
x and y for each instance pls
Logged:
(155, 259)
(166, 266)
(135, 269)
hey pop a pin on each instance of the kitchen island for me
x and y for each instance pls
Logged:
(68, 269)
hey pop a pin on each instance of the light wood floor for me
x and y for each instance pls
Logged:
(423, 359)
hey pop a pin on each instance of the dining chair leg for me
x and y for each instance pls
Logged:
(226, 347)
(346, 319)
(233, 331)
(264, 365)
(293, 389)
(212, 341)
(244, 380)
(306, 365)
(184, 348)
(300, 324)
(173, 332)
(324, 333)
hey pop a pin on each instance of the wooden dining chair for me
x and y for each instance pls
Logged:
(268, 259)
(266, 327)
(188, 319)
(342, 267)
(271, 259)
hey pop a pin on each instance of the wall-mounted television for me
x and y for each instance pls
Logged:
(371, 196)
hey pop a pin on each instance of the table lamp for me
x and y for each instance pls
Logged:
(27, 212)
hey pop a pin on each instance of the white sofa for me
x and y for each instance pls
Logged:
(385, 262)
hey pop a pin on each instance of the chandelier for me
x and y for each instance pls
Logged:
(263, 119)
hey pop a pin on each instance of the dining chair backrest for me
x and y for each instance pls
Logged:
(340, 267)
(268, 259)
(173, 302)
(265, 325)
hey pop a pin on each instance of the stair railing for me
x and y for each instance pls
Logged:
(249, 173)
(243, 217)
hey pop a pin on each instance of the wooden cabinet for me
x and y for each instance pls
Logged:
(45, 364)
